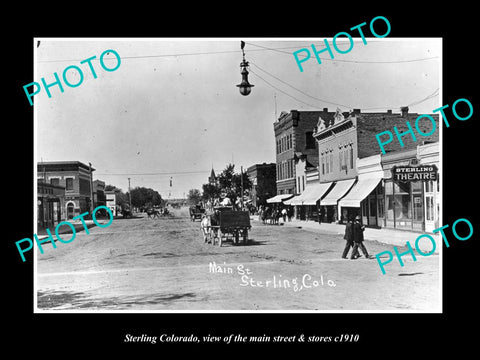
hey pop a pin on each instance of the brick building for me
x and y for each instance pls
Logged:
(263, 178)
(75, 176)
(294, 141)
(99, 197)
(345, 139)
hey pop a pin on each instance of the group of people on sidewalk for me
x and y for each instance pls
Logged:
(354, 236)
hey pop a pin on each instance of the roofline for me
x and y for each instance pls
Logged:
(79, 163)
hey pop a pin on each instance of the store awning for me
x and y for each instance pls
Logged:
(360, 191)
(291, 201)
(279, 198)
(315, 192)
(338, 191)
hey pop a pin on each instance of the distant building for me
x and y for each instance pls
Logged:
(99, 193)
(111, 201)
(75, 176)
(263, 178)
(212, 179)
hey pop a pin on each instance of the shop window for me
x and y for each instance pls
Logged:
(402, 206)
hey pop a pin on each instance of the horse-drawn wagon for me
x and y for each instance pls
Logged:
(196, 212)
(226, 224)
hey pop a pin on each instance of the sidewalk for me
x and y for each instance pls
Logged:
(386, 236)
(64, 229)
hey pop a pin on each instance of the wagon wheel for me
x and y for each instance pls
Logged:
(245, 236)
(211, 237)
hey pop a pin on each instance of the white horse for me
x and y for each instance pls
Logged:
(209, 233)
(205, 225)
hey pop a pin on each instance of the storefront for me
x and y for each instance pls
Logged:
(365, 198)
(412, 200)
(50, 205)
(307, 203)
(329, 204)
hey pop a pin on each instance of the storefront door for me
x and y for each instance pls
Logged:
(430, 206)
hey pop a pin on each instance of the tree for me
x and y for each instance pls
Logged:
(194, 196)
(231, 183)
(210, 192)
(145, 197)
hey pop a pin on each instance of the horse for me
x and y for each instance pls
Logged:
(207, 224)
(153, 212)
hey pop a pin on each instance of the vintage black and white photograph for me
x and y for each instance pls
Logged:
(237, 174)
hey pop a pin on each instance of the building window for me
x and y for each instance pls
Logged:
(303, 182)
(331, 161)
(55, 181)
(309, 140)
(69, 184)
(351, 156)
(323, 165)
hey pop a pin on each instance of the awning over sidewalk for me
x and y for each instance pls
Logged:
(315, 193)
(338, 191)
(292, 201)
(360, 191)
(279, 198)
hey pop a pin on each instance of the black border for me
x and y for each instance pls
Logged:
(91, 333)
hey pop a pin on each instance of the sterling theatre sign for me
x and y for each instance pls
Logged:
(414, 173)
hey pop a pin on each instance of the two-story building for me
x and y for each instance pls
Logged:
(76, 177)
(263, 178)
(99, 193)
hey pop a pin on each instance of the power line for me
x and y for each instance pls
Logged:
(293, 87)
(155, 173)
(354, 61)
(261, 48)
(293, 97)
(432, 95)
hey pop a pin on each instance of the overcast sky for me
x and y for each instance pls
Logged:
(172, 108)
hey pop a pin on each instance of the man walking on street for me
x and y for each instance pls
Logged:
(349, 237)
(358, 229)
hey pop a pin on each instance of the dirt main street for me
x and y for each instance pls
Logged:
(163, 264)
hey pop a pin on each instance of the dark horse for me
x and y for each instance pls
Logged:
(153, 212)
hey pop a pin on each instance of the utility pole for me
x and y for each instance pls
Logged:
(241, 186)
(91, 189)
(129, 195)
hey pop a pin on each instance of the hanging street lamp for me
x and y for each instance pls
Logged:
(245, 87)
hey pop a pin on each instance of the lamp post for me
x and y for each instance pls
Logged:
(245, 87)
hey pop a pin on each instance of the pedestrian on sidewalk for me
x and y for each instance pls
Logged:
(284, 215)
(358, 229)
(348, 236)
